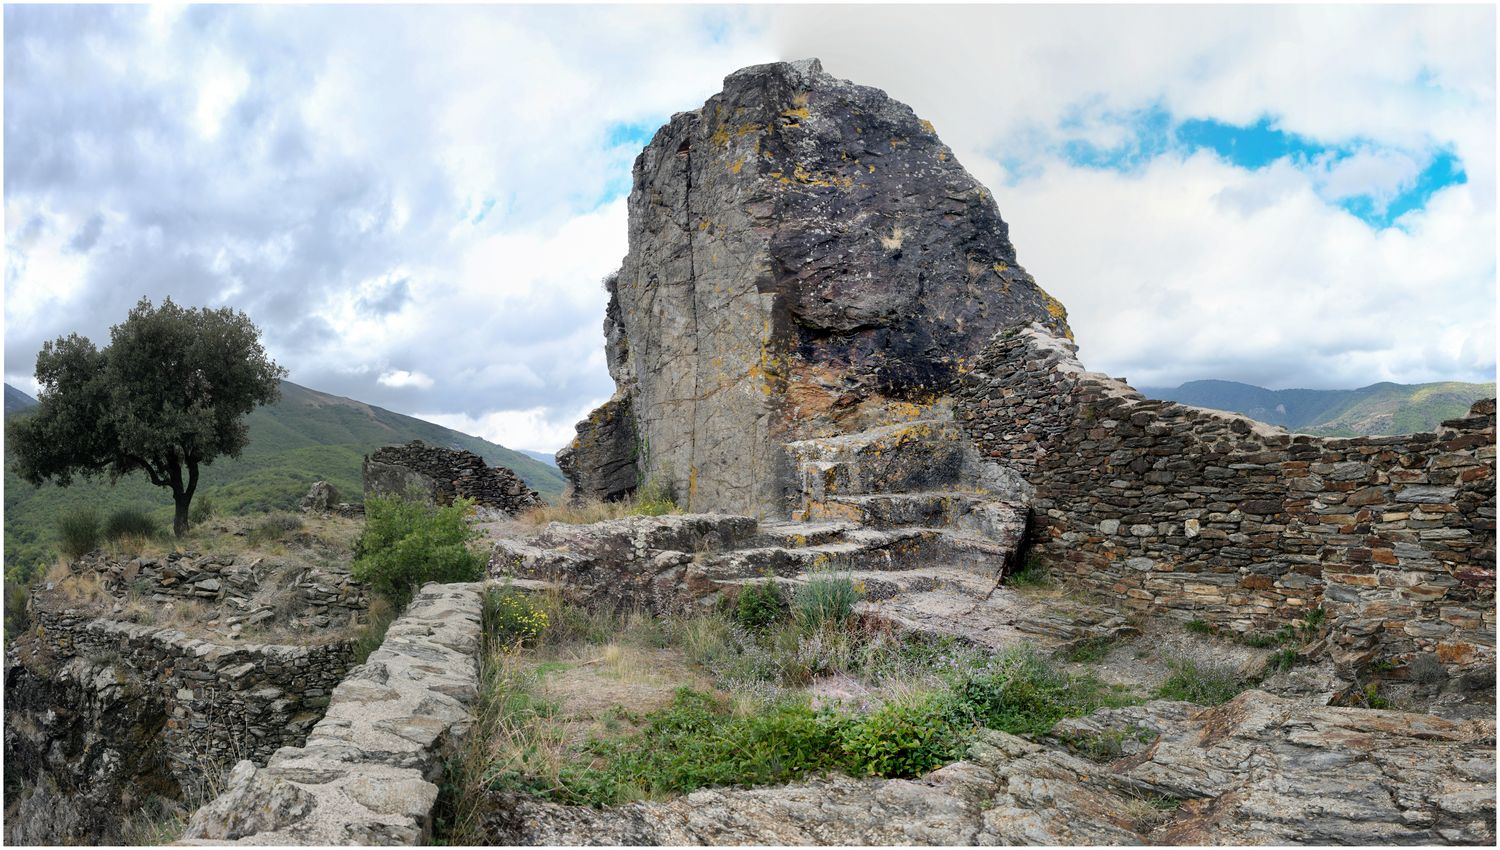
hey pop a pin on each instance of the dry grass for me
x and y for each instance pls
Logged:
(650, 502)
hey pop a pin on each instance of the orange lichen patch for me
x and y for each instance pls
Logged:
(735, 167)
(797, 111)
(818, 179)
(705, 224)
(720, 136)
(692, 484)
(1056, 310)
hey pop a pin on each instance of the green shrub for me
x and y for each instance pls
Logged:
(16, 618)
(201, 511)
(1023, 693)
(514, 617)
(824, 598)
(1200, 682)
(78, 532)
(130, 522)
(760, 605)
(906, 738)
(277, 526)
(407, 543)
(1199, 627)
(1281, 661)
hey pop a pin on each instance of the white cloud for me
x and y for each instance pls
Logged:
(403, 378)
(325, 168)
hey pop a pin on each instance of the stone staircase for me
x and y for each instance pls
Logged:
(907, 511)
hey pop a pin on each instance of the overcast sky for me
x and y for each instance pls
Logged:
(417, 204)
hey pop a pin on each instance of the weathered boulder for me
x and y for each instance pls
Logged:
(806, 258)
(1257, 770)
(321, 498)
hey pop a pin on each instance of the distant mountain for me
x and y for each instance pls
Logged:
(304, 437)
(17, 401)
(1379, 409)
(545, 457)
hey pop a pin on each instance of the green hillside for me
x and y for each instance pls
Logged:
(1377, 410)
(304, 437)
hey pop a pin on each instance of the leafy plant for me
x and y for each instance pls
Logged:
(407, 543)
(906, 738)
(760, 605)
(79, 532)
(1199, 627)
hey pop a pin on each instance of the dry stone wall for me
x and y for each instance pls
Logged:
(222, 702)
(445, 474)
(366, 774)
(1208, 515)
(240, 585)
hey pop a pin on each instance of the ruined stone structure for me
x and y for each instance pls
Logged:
(443, 474)
(821, 320)
(1200, 514)
(367, 773)
(806, 259)
(308, 598)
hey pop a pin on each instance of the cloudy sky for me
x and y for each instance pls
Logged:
(417, 204)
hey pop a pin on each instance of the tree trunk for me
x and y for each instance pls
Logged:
(180, 519)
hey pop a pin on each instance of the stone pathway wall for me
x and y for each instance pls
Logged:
(367, 771)
(1214, 516)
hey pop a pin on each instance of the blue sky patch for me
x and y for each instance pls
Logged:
(1153, 132)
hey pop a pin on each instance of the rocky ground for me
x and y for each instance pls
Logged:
(1257, 770)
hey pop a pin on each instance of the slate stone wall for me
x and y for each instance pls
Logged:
(313, 598)
(445, 474)
(224, 702)
(1200, 514)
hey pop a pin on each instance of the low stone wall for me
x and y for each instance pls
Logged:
(367, 771)
(313, 598)
(222, 702)
(445, 474)
(1207, 515)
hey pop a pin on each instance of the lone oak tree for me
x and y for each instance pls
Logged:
(165, 397)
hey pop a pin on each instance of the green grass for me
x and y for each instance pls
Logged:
(1033, 573)
(704, 739)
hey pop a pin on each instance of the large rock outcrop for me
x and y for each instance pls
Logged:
(807, 259)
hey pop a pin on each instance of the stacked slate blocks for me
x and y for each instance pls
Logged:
(1213, 516)
(443, 474)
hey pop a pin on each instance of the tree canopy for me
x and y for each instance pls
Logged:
(165, 397)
